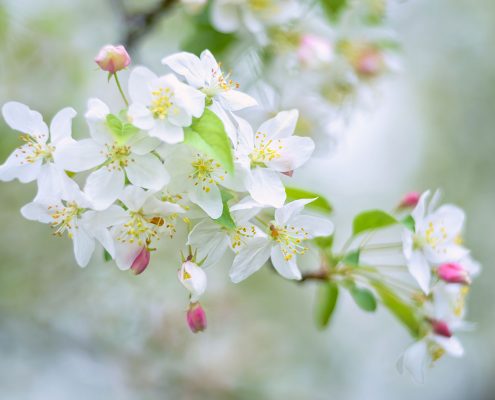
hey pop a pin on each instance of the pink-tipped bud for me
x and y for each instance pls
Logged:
(453, 273)
(113, 58)
(314, 50)
(369, 62)
(196, 318)
(410, 200)
(141, 261)
(441, 328)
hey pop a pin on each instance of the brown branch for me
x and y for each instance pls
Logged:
(139, 24)
(321, 275)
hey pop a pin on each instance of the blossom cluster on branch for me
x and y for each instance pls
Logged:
(182, 151)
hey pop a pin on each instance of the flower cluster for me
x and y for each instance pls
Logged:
(181, 155)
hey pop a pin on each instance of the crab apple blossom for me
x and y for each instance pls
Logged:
(163, 105)
(284, 241)
(435, 239)
(113, 58)
(34, 160)
(193, 278)
(270, 151)
(115, 157)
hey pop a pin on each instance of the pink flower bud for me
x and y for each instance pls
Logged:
(410, 200)
(113, 58)
(453, 273)
(196, 318)
(369, 62)
(441, 328)
(314, 50)
(141, 261)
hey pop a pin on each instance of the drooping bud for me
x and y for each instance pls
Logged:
(441, 328)
(410, 200)
(113, 58)
(196, 318)
(314, 50)
(193, 278)
(453, 273)
(141, 261)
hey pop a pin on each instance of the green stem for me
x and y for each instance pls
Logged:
(120, 89)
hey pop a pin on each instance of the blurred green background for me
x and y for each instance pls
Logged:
(98, 333)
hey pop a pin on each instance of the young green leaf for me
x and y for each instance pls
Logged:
(373, 219)
(364, 298)
(106, 256)
(333, 8)
(409, 223)
(324, 242)
(225, 219)
(320, 204)
(352, 258)
(398, 307)
(121, 131)
(326, 301)
(207, 134)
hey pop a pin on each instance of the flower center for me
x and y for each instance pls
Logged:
(220, 82)
(239, 236)
(139, 229)
(290, 238)
(64, 218)
(162, 102)
(35, 149)
(260, 5)
(118, 156)
(204, 173)
(265, 149)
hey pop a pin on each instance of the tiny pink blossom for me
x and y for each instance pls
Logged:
(314, 50)
(141, 261)
(441, 328)
(113, 58)
(196, 318)
(369, 63)
(410, 200)
(453, 273)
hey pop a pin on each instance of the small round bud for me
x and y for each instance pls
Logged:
(113, 58)
(196, 318)
(141, 261)
(453, 273)
(410, 200)
(441, 328)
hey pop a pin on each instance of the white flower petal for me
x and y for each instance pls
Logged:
(190, 99)
(224, 16)
(140, 116)
(414, 361)
(451, 345)
(265, 187)
(21, 118)
(104, 186)
(147, 172)
(61, 125)
(140, 82)
(77, 156)
(126, 253)
(287, 268)
(420, 269)
(17, 167)
(189, 66)
(418, 213)
(134, 197)
(235, 100)
(280, 126)
(294, 152)
(193, 278)
(84, 245)
(167, 132)
(250, 259)
(37, 211)
(314, 226)
(210, 202)
(284, 214)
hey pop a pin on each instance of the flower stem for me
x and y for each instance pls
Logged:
(120, 89)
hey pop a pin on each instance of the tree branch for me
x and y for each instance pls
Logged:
(139, 24)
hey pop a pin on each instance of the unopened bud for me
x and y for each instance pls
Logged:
(314, 50)
(441, 328)
(113, 58)
(453, 273)
(141, 261)
(410, 200)
(369, 63)
(196, 318)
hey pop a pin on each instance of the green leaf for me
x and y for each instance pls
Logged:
(333, 8)
(226, 219)
(320, 204)
(409, 223)
(326, 301)
(352, 258)
(373, 219)
(324, 242)
(398, 307)
(207, 134)
(364, 298)
(121, 131)
(106, 256)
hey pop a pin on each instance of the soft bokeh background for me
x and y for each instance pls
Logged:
(98, 333)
